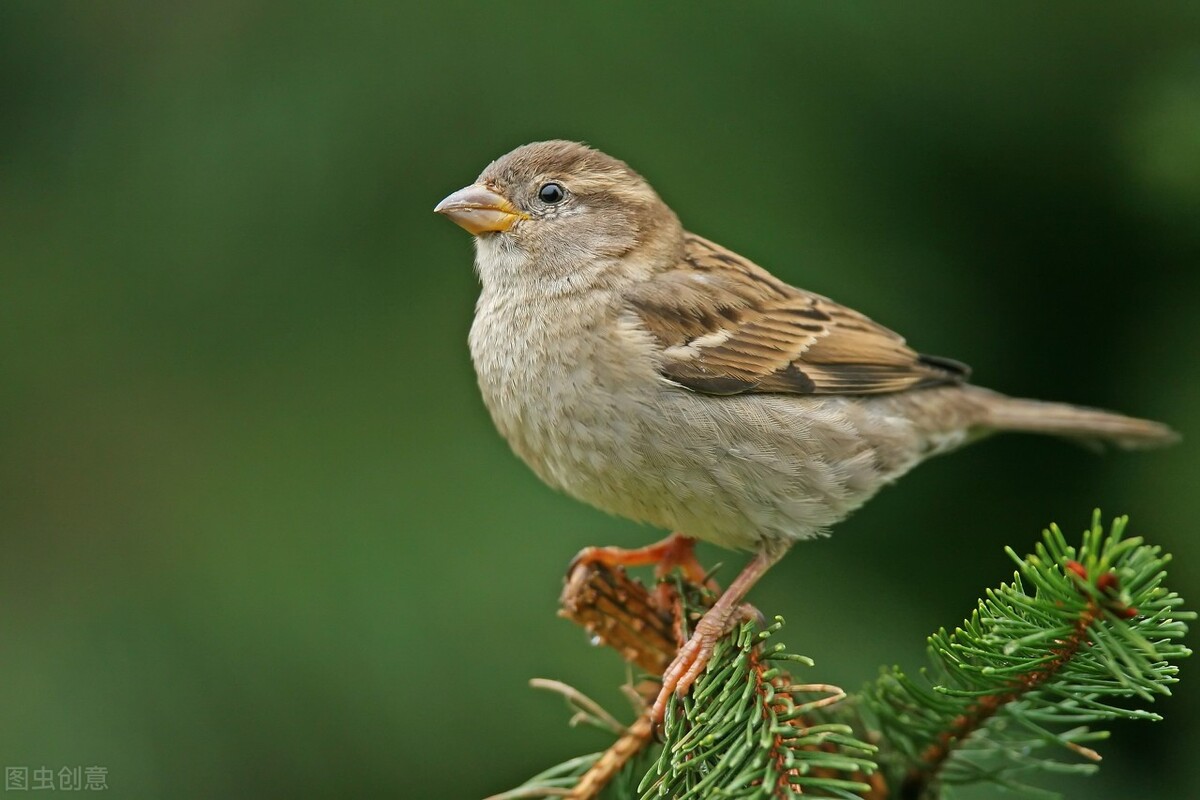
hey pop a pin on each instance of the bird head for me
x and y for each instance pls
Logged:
(557, 207)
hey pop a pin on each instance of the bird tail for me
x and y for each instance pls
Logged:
(1089, 425)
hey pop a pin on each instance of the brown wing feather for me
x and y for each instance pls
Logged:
(727, 326)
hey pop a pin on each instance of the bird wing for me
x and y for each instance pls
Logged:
(727, 326)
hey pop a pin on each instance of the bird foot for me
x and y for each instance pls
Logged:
(693, 657)
(674, 551)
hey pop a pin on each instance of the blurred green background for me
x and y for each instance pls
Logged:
(259, 536)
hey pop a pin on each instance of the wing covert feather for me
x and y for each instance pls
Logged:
(727, 326)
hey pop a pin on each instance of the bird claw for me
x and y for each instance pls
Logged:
(587, 555)
(689, 662)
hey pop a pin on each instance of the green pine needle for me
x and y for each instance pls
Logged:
(1094, 629)
(738, 735)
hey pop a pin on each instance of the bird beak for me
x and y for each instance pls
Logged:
(480, 210)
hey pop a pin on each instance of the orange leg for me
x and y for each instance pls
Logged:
(693, 657)
(676, 550)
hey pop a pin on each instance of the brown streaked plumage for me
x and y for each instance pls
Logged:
(657, 375)
(728, 326)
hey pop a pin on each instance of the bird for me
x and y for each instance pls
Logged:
(661, 377)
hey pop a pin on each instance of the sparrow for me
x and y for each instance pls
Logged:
(661, 377)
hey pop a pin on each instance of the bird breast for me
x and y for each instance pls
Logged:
(566, 389)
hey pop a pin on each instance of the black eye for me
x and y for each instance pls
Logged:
(551, 193)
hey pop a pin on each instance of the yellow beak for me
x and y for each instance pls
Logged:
(478, 209)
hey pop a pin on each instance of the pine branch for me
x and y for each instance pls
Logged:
(745, 731)
(1078, 634)
(1095, 626)
(742, 731)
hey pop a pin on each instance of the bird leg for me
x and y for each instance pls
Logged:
(676, 550)
(693, 657)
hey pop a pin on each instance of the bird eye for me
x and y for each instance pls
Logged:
(551, 193)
